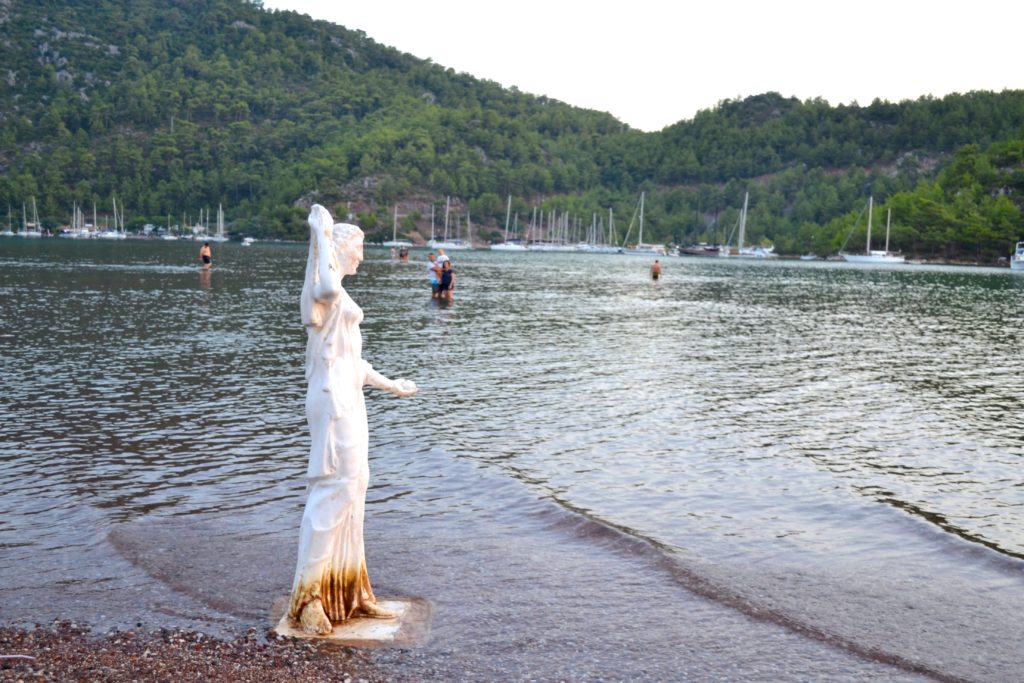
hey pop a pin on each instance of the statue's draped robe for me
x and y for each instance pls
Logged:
(331, 564)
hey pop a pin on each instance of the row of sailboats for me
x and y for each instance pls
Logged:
(453, 244)
(201, 230)
(79, 229)
(555, 237)
(547, 231)
(27, 229)
(741, 250)
(550, 231)
(597, 240)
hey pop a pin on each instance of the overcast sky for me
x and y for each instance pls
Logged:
(651, 63)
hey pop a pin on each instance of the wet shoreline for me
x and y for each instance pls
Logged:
(529, 598)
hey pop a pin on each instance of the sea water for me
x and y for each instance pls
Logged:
(745, 470)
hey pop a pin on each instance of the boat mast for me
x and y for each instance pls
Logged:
(888, 221)
(394, 225)
(641, 242)
(871, 204)
(447, 205)
(743, 222)
(508, 213)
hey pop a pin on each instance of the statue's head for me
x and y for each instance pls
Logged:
(348, 246)
(345, 238)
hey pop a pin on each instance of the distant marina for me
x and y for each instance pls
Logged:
(546, 232)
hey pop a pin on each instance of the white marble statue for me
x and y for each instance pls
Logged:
(331, 584)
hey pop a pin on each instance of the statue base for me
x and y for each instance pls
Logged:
(408, 629)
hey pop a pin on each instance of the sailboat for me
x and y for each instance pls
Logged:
(8, 232)
(77, 229)
(513, 244)
(221, 234)
(641, 249)
(740, 251)
(30, 229)
(168, 236)
(445, 243)
(875, 256)
(118, 233)
(394, 241)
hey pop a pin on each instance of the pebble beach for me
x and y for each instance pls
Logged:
(66, 651)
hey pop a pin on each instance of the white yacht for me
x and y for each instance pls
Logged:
(509, 246)
(1017, 260)
(874, 255)
(513, 244)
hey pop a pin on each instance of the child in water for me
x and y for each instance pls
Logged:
(447, 280)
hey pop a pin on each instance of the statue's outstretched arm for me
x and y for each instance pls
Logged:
(398, 387)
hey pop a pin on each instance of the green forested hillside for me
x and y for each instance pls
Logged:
(174, 106)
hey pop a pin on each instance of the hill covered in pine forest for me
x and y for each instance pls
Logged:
(177, 106)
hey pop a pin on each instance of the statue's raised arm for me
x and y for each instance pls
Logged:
(331, 582)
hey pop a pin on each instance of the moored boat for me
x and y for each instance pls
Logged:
(1017, 260)
(874, 255)
(698, 250)
(641, 248)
